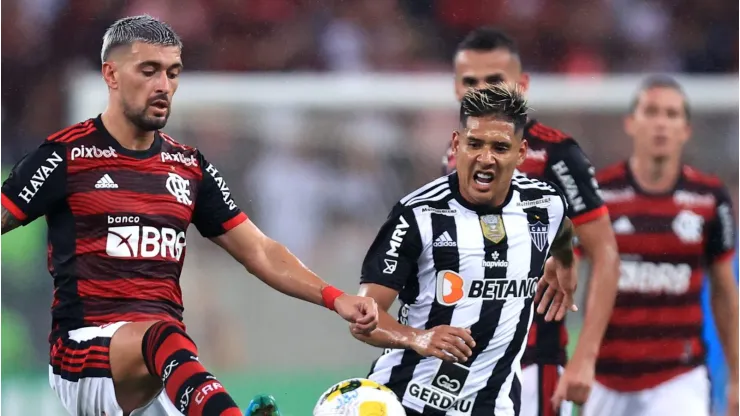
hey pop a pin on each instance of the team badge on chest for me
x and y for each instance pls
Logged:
(179, 187)
(493, 228)
(538, 233)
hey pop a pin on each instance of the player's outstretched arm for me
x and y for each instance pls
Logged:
(272, 263)
(10, 222)
(444, 342)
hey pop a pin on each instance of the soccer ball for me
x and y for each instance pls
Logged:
(358, 397)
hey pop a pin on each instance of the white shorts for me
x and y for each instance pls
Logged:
(79, 373)
(538, 386)
(687, 394)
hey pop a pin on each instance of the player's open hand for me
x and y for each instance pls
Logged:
(444, 342)
(556, 290)
(360, 311)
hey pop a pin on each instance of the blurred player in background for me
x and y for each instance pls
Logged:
(118, 196)
(487, 56)
(463, 253)
(671, 223)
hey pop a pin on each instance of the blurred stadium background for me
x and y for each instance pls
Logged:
(321, 114)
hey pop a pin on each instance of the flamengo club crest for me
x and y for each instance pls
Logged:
(493, 228)
(179, 187)
(538, 233)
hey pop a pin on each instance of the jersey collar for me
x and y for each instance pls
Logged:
(155, 148)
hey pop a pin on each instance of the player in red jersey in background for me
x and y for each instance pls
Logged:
(671, 223)
(488, 56)
(118, 196)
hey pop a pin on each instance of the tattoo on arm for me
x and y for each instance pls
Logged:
(562, 246)
(9, 221)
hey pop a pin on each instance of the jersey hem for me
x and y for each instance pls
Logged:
(12, 208)
(381, 283)
(589, 216)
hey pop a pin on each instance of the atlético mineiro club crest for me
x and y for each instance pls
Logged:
(538, 233)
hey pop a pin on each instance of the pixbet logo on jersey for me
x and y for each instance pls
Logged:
(180, 158)
(453, 288)
(134, 241)
(90, 152)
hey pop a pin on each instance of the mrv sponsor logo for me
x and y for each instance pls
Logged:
(133, 241)
(225, 192)
(40, 176)
(92, 152)
(397, 238)
(179, 158)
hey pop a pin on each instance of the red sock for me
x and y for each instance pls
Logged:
(170, 354)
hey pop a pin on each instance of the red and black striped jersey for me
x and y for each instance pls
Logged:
(665, 243)
(117, 221)
(555, 157)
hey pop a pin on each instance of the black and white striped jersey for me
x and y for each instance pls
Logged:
(467, 266)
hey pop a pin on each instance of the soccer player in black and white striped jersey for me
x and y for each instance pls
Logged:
(465, 253)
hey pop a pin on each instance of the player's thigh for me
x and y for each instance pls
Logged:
(538, 386)
(135, 387)
(687, 394)
(604, 401)
(80, 372)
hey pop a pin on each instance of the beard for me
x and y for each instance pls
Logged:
(144, 122)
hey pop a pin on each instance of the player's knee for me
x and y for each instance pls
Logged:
(166, 342)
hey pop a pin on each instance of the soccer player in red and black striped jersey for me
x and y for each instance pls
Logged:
(118, 196)
(672, 224)
(488, 56)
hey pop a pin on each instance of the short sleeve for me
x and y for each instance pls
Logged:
(720, 238)
(394, 254)
(215, 209)
(36, 183)
(573, 173)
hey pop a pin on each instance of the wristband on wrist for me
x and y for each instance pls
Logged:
(329, 294)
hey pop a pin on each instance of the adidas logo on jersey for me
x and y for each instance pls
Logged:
(623, 225)
(106, 183)
(444, 240)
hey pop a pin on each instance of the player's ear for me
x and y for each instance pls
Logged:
(629, 124)
(524, 82)
(523, 148)
(455, 142)
(110, 74)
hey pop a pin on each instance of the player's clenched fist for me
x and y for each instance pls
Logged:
(444, 342)
(360, 311)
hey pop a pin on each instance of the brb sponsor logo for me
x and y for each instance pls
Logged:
(179, 158)
(39, 177)
(225, 191)
(648, 277)
(92, 152)
(452, 288)
(134, 241)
